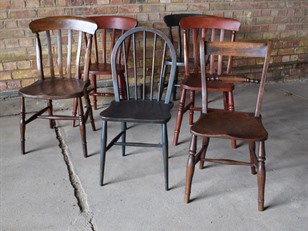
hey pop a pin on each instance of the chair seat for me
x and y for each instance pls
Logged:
(194, 83)
(228, 124)
(141, 111)
(54, 88)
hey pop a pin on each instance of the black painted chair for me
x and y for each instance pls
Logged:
(147, 100)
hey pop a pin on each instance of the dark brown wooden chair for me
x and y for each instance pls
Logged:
(172, 21)
(144, 102)
(214, 29)
(110, 28)
(58, 42)
(224, 124)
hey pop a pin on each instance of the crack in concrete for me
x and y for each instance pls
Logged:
(81, 196)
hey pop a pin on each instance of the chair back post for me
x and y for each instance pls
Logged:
(267, 51)
(140, 36)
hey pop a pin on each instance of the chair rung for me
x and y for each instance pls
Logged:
(228, 161)
(136, 144)
(59, 117)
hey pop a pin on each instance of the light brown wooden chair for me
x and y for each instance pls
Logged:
(58, 42)
(224, 124)
(214, 29)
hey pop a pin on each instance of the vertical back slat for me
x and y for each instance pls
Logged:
(153, 67)
(230, 60)
(60, 53)
(104, 42)
(195, 50)
(39, 58)
(212, 60)
(135, 67)
(69, 53)
(78, 54)
(50, 54)
(144, 64)
(162, 80)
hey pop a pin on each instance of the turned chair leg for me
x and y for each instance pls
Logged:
(165, 154)
(103, 151)
(192, 105)
(205, 143)
(190, 168)
(82, 127)
(229, 105)
(22, 125)
(179, 118)
(261, 175)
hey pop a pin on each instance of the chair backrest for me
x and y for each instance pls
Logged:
(59, 41)
(110, 28)
(143, 64)
(211, 28)
(247, 53)
(172, 21)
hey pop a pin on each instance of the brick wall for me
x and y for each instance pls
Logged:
(285, 22)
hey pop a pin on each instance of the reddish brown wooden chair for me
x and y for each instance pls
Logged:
(58, 42)
(224, 124)
(212, 28)
(110, 28)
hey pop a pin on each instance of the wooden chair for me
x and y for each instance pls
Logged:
(218, 123)
(110, 28)
(144, 102)
(172, 22)
(58, 77)
(213, 28)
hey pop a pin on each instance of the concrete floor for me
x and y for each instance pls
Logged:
(53, 187)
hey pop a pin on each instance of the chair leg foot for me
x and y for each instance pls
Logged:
(233, 144)
(261, 206)
(186, 198)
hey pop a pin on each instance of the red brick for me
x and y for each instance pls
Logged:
(18, 14)
(9, 66)
(47, 3)
(26, 42)
(83, 11)
(13, 84)
(11, 43)
(105, 10)
(77, 2)
(90, 2)
(129, 9)
(32, 3)
(5, 75)
(44, 12)
(298, 26)
(3, 86)
(17, 4)
(199, 7)
(5, 4)
(10, 24)
(219, 6)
